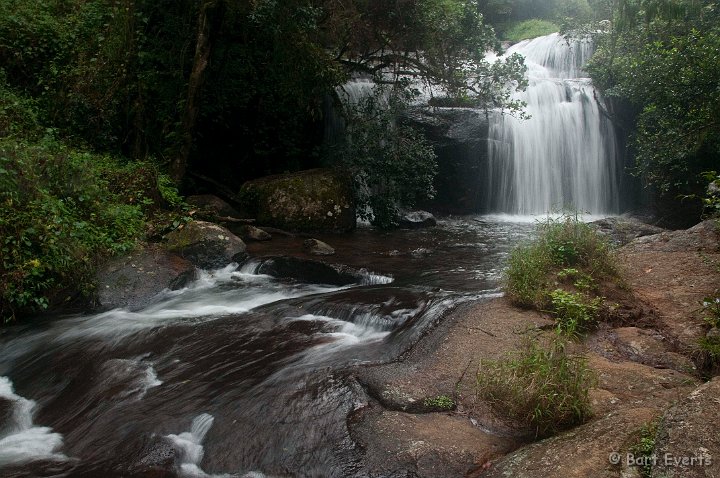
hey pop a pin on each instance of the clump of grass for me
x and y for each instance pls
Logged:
(441, 402)
(564, 247)
(546, 387)
(708, 355)
(527, 29)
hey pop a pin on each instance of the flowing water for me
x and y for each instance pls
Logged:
(565, 155)
(239, 374)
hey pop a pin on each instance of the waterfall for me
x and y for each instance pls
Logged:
(565, 156)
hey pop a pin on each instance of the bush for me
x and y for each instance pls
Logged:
(564, 244)
(392, 165)
(61, 210)
(544, 387)
(532, 28)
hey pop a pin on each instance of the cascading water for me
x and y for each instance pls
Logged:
(565, 155)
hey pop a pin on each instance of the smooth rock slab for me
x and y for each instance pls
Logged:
(691, 429)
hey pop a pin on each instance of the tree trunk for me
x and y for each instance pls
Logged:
(179, 164)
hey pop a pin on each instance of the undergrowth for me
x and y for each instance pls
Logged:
(544, 386)
(527, 29)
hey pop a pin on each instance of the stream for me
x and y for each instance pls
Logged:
(239, 374)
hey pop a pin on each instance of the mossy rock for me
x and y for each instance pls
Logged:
(206, 245)
(316, 200)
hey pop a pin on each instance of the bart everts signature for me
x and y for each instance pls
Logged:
(667, 459)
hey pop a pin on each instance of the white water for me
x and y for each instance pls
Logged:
(20, 440)
(565, 156)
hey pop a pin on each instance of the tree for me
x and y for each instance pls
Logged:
(663, 58)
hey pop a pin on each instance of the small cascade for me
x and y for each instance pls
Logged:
(565, 155)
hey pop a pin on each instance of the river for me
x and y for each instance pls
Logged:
(239, 374)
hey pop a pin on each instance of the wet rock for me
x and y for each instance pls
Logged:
(317, 200)
(251, 233)
(416, 220)
(625, 229)
(7, 408)
(209, 206)
(157, 459)
(460, 139)
(318, 248)
(206, 245)
(133, 280)
(309, 271)
(690, 430)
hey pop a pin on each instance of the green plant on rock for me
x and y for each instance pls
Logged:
(711, 308)
(545, 387)
(564, 246)
(441, 402)
(573, 312)
(644, 448)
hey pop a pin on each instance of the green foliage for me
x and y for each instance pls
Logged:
(441, 402)
(563, 245)
(711, 309)
(662, 58)
(58, 215)
(545, 387)
(392, 165)
(573, 312)
(644, 449)
(711, 201)
(527, 29)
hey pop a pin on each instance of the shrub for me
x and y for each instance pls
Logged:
(59, 213)
(545, 387)
(392, 165)
(564, 244)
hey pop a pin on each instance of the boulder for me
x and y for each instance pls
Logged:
(317, 200)
(252, 233)
(133, 280)
(623, 230)
(206, 245)
(416, 220)
(210, 206)
(318, 248)
(309, 271)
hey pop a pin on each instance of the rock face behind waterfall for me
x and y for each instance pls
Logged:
(317, 200)
(460, 139)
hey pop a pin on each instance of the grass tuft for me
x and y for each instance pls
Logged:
(546, 387)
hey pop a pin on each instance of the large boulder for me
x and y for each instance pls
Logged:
(317, 200)
(624, 229)
(206, 245)
(133, 280)
(211, 206)
(318, 248)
